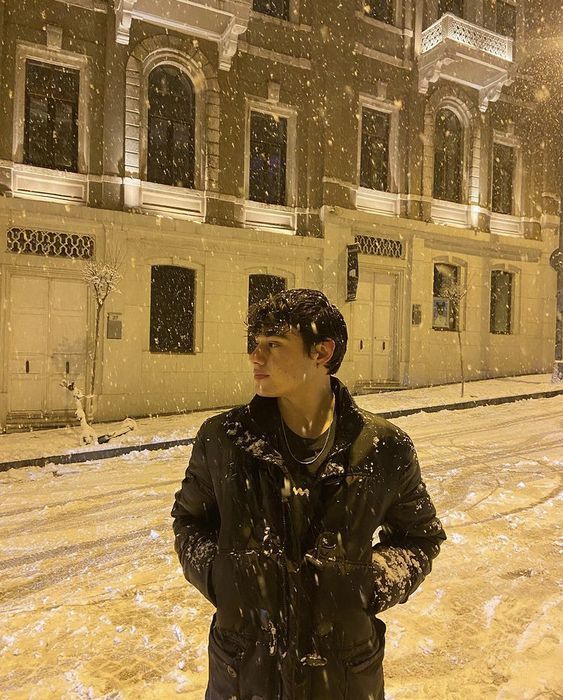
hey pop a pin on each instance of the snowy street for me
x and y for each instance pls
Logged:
(93, 603)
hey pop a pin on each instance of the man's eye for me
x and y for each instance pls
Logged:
(274, 345)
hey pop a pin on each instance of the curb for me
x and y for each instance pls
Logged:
(108, 453)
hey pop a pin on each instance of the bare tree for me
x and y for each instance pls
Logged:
(102, 278)
(455, 292)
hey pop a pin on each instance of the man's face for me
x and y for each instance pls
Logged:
(281, 365)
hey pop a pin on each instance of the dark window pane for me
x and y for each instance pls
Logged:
(380, 9)
(274, 8)
(51, 116)
(448, 156)
(374, 164)
(445, 301)
(453, 6)
(171, 142)
(261, 287)
(506, 19)
(501, 302)
(172, 309)
(503, 178)
(268, 148)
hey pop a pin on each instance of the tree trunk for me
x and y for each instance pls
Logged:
(94, 365)
(461, 362)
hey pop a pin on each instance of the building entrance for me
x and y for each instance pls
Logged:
(375, 327)
(46, 343)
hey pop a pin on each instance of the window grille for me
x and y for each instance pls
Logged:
(386, 247)
(50, 243)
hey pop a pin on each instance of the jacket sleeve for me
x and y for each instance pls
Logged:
(196, 521)
(410, 536)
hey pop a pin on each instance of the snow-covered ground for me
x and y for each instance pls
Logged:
(93, 604)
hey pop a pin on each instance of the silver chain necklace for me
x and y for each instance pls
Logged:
(316, 456)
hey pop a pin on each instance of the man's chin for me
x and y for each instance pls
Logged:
(262, 390)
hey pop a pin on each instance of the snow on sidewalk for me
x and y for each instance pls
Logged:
(60, 441)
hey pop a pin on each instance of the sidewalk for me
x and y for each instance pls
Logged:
(61, 445)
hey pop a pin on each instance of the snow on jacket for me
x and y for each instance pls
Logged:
(302, 629)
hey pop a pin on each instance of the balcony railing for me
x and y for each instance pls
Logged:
(460, 30)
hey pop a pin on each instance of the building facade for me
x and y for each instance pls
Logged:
(388, 153)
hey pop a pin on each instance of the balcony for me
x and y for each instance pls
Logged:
(454, 49)
(221, 21)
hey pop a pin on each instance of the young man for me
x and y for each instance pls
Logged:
(276, 515)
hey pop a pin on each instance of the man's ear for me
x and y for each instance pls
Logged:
(324, 351)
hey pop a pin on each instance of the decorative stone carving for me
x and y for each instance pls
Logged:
(221, 21)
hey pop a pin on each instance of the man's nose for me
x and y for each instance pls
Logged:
(257, 356)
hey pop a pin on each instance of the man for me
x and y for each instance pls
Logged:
(276, 515)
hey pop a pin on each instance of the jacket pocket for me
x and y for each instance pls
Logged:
(364, 671)
(225, 659)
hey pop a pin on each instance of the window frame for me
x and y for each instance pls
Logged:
(508, 139)
(288, 4)
(154, 61)
(392, 13)
(289, 113)
(511, 313)
(462, 154)
(515, 6)
(51, 108)
(193, 126)
(193, 349)
(389, 177)
(386, 106)
(66, 59)
(460, 273)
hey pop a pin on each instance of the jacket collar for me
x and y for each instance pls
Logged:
(252, 426)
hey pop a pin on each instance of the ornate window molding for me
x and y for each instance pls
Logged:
(44, 183)
(464, 214)
(166, 199)
(272, 217)
(381, 202)
(509, 224)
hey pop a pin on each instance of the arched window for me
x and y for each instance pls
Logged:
(171, 128)
(448, 156)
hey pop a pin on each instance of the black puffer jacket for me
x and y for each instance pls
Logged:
(296, 629)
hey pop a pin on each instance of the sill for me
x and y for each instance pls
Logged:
(506, 224)
(451, 213)
(270, 217)
(445, 330)
(33, 182)
(164, 200)
(174, 353)
(378, 201)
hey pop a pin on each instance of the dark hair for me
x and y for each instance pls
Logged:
(307, 311)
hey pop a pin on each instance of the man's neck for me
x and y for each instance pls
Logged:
(309, 412)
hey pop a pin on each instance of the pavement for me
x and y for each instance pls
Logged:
(62, 445)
